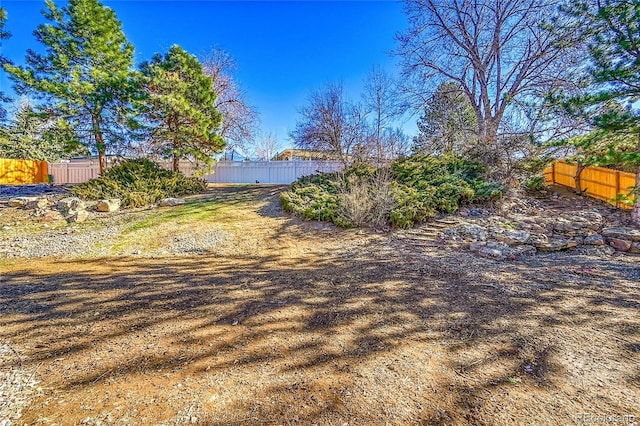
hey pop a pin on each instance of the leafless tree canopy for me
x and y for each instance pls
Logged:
(328, 122)
(239, 118)
(265, 146)
(384, 104)
(497, 51)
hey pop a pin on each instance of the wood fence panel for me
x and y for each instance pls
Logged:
(21, 172)
(74, 171)
(597, 182)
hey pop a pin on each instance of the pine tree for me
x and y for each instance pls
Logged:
(179, 107)
(85, 74)
(35, 135)
(4, 35)
(611, 29)
(448, 123)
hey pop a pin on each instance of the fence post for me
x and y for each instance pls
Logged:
(617, 188)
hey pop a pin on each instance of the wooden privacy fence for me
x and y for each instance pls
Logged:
(74, 171)
(597, 182)
(220, 172)
(21, 172)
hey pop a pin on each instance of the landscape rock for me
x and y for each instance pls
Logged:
(635, 247)
(108, 206)
(593, 240)
(37, 204)
(21, 201)
(472, 231)
(622, 233)
(171, 202)
(78, 216)
(70, 204)
(554, 244)
(513, 237)
(52, 216)
(619, 244)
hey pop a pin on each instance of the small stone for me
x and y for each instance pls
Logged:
(619, 244)
(593, 240)
(108, 206)
(635, 247)
(171, 202)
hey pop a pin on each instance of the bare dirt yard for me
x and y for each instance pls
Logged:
(227, 311)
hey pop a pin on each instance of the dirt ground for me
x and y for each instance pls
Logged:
(291, 322)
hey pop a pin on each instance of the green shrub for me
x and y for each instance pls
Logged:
(139, 182)
(413, 190)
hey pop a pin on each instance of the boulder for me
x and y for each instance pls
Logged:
(635, 247)
(70, 204)
(52, 216)
(108, 206)
(513, 237)
(622, 233)
(619, 244)
(37, 204)
(593, 240)
(78, 216)
(21, 201)
(554, 244)
(171, 202)
(472, 231)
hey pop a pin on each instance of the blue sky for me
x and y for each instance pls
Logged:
(283, 49)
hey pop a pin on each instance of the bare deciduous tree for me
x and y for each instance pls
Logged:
(384, 104)
(239, 118)
(330, 123)
(266, 146)
(495, 50)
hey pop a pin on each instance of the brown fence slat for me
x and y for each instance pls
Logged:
(597, 182)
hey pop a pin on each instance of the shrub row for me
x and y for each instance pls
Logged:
(139, 182)
(412, 190)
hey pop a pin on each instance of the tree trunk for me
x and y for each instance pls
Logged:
(578, 178)
(101, 147)
(176, 163)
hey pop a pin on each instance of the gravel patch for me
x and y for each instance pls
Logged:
(17, 385)
(69, 242)
(191, 242)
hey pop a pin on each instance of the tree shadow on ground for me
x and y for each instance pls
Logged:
(367, 337)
